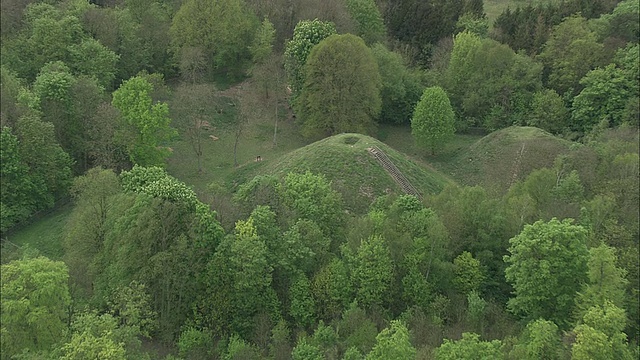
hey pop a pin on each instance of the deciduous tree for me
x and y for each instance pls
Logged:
(341, 92)
(433, 121)
(547, 266)
(145, 125)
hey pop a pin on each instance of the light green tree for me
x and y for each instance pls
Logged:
(600, 335)
(145, 125)
(549, 112)
(392, 343)
(433, 121)
(341, 91)
(468, 273)
(547, 266)
(306, 35)
(470, 347)
(607, 282)
(540, 340)
(372, 272)
(93, 59)
(16, 198)
(370, 25)
(34, 302)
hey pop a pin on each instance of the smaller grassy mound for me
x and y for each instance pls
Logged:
(505, 156)
(345, 160)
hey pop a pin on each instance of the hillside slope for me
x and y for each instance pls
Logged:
(499, 159)
(346, 161)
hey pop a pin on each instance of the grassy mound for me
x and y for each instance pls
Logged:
(345, 160)
(505, 156)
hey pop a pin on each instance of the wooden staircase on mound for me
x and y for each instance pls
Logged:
(394, 172)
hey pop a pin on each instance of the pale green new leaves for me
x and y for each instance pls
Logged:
(35, 297)
(392, 343)
(147, 124)
(470, 347)
(547, 267)
(373, 272)
(433, 119)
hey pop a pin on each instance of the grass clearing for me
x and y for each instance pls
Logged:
(44, 235)
(493, 8)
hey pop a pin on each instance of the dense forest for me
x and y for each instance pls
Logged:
(229, 186)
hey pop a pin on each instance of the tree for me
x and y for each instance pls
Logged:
(369, 21)
(570, 53)
(607, 282)
(432, 123)
(49, 166)
(605, 97)
(262, 45)
(372, 272)
(600, 335)
(547, 266)
(306, 35)
(145, 125)
(306, 351)
(302, 305)
(224, 29)
(341, 92)
(16, 198)
(468, 273)
(87, 226)
(93, 59)
(548, 112)
(469, 347)
(541, 340)
(35, 297)
(401, 88)
(392, 343)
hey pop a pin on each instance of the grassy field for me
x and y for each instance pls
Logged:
(493, 8)
(44, 235)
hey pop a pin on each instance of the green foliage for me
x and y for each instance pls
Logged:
(195, 344)
(309, 196)
(49, 166)
(540, 340)
(400, 90)
(92, 58)
(601, 336)
(548, 112)
(302, 304)
(370, 26)
(473, 24)
(607, 282)
(306, 35)
(357, 330)
(145, 125)
(224, 29)
(306, 351)
(547, 266)
(488, 83)
(332, 290)
(393, 343)
(372, 272)
(468, 273)
(605, 97)
(17, 188)
(432, 123)
(35, 297)
(469, 347)
(341, 91)
(570, 53)
(263, 42)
